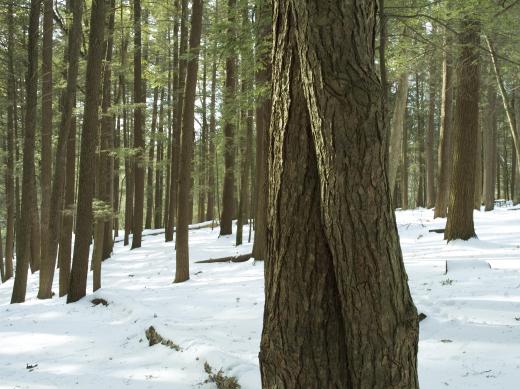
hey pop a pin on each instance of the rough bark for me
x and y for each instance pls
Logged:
(182, 272)
(460, 215)
(228, 191)
(24, 233)
(338, 309)
(445, 137)
(396, 132)
(60, 166)
(78, 275)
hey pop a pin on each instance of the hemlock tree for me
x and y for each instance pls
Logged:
(182, 272)
(460, 210)
(78, 275)
(338, 311)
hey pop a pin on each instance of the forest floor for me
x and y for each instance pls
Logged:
(470, 338)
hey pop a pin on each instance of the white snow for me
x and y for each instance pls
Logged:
(470, 339)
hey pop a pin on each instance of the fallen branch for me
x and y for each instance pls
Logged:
(438, 230)
(219, 379)
(154, 338)
(233, 258)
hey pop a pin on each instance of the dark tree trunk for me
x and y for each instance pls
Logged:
(321, 328)
(60, 165)
(182, 265)
(460, 215)
(228, 191)
(445, 139)
(262, 115)
(212, 133)
(429, 139)
(150, 172)
(25, 226)
(179, 83)
(159, 187)
(11, 141)
(78, 275)
(201, 215)
(139, 100)
(404, 167)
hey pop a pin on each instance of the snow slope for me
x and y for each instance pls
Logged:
(470, 339)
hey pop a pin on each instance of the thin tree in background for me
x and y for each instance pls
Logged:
(139, 100)
(151, 155)
(182, 272)
(429, 138)
(489, 142)
(159, 157)
(78, 275)
(24, 233)
(460, 213)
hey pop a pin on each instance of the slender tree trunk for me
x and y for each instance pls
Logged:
(320, 330)
(11, 140)
(159, 187)
(404, 168)
(429, 140)
(460, 215)
(139, 99)
(396, 132)
(182, 265)
(420, 194)
(78, 275)
(201, 215)
(24, 233)
(212, 133)
(60, 165)
(228, 192)
(490, 148)
(445, 139)
(46, 131)
(179, 83)
(150, 172)
(477, 198)
(262, 116)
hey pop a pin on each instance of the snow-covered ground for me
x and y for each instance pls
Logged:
(470, 338)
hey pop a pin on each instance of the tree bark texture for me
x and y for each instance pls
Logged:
(338, 309)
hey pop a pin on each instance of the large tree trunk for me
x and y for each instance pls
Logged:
(182, 265)
(262, 116)
(460, 215)
(228, 191)
(24, 233)
(60, 166)
(78, 275)
(139, 100)
(489, 143)
(396, 132)
(320, 329)
(11, 140)
(445, 139)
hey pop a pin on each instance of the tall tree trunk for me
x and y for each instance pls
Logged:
(445, 139)
(420, 194)
(404, 167)
(11, 140)
(182, 265)
(78, 275)
(477, 197)
(46, 131)
(262, 116)
(396, 132)
(489, 142)
(429, 139)
(228, 191)
(212, 133)
(460, 215)
(341, 336)
(60, 166)
(159, 170)
(201, 216)
(179, 83)
(150, 172)
(139, 100)
(24, 233)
